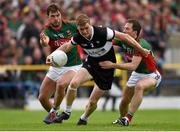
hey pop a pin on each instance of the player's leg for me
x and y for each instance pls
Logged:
(142, 85)
(92, 105)
(61, 85)
(126, 99)
(124, 104)
(106, 98)
(80, 77)
(146, 83)
(46, 91)
(53, 75)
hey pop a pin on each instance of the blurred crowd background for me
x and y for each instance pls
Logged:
(22, 21)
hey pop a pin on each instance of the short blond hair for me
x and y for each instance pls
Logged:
(82, 20)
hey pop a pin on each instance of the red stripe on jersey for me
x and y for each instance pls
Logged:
(150, 63)
(81, 52)
(54, 44)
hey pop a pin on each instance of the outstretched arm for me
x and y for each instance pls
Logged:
(132, 41)
(131, 66)
(66, 47)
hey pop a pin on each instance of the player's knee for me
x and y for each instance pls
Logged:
(61, 85)
(138, 87)
(42, 98)
(74, 84)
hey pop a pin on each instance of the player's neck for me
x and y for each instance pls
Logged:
(58, 27)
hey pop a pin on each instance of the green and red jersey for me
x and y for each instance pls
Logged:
(60, 36)
(147, 64)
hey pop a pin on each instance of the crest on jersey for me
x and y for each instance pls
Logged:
(97, 42)
(68, 32)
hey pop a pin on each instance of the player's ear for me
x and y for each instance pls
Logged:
(135, 34)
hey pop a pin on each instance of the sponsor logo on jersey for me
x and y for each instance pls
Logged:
(97, 52)
(84, 44)
(59, 35)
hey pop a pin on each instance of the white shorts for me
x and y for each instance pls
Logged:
(135, 77)
(55, 73)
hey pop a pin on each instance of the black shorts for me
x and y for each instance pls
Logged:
(102, 77)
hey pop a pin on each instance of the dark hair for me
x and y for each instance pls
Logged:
(135, 25)
(82, 20)
(53, 8)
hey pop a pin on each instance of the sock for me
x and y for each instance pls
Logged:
(83, 117)
(52, 110)
(68, 109)
(130, 115)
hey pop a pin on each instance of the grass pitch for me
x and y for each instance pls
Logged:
(144, 120)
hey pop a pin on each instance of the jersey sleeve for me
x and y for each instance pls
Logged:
(110, 34)
(45, 30)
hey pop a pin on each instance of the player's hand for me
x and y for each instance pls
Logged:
(42, 36)
(43, 39)
(106, 64)
(145, 53)
(49, 60)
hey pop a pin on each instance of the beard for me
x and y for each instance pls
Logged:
(56, 24)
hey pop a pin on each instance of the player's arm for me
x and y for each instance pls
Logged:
(44, 39)
(66, 47)
(123, 66)
(131, 41)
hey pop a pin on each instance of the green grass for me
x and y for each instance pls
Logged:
(144, 120)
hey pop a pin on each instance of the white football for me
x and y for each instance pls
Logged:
(59, 58)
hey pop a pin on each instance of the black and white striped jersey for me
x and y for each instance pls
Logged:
(99, 44)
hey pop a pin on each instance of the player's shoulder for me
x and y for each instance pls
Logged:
(46, 27)
(100, 28)
(69, 22)
(144, 43)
